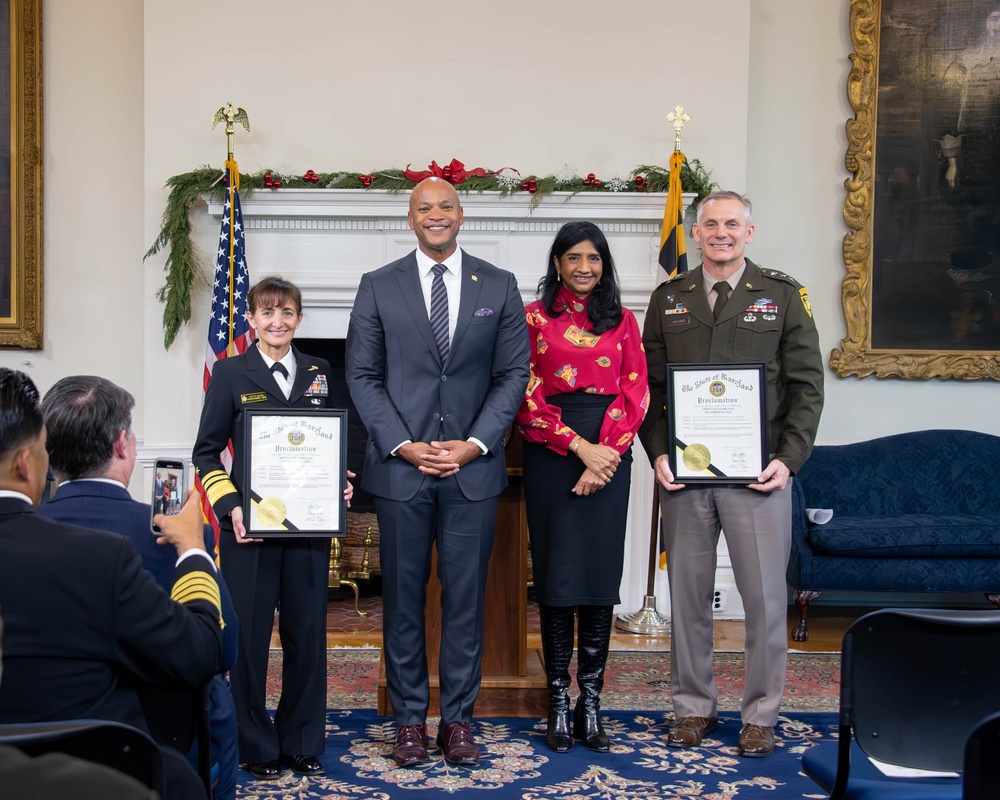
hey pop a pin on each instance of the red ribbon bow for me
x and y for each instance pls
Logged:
(455, 172)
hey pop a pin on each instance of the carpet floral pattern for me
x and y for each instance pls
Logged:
(516, 764)
(635, 680)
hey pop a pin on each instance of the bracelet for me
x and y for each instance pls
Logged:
(575, 444)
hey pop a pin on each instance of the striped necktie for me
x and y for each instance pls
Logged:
(439, 311)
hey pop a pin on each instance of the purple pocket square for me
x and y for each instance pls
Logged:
(484, 312)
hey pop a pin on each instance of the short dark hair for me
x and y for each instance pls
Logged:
(84, 415)
(604, 308)
(20, 414)
(274, 292)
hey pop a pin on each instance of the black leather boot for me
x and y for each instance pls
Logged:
(557, 648)
(594, 638)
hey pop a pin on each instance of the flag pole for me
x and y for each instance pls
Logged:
(230, 116)
(647, 621)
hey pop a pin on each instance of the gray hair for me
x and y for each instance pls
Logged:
(726, 195)
(84, 415)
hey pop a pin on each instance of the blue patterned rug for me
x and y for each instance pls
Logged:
(516, 764)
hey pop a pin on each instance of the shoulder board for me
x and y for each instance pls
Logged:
(778, 275)
(676, 277)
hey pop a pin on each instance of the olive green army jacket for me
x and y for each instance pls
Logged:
(767, 319)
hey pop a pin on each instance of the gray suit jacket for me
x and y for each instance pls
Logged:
(403, 391)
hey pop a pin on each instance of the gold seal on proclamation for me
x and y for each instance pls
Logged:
(271, 511)
(696, 457)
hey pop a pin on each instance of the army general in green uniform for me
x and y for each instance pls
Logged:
(730, 310)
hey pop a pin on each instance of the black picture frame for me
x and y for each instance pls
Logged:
(295, 441)
(717, 422)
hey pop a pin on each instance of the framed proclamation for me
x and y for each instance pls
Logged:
(296, 473)
(717, 422)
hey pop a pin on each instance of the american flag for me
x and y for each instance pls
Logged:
(229, 333)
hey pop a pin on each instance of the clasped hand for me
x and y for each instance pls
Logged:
(439, 459)
(600, 461)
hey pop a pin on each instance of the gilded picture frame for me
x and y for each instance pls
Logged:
(21, 182)
(921, 296)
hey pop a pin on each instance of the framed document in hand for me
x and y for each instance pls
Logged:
(717, 422)
(296, 473)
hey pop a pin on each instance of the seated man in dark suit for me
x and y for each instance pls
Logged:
(84, 622)
(92, 451)
(57, 775)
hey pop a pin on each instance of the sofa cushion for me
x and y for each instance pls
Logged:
(907, 536)
(922, 472)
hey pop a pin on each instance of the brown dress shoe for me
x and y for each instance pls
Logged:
(756, 741)
(689, 731)
(411, 745)
(457, 744)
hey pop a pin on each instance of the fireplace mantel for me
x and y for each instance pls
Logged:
(325, 239)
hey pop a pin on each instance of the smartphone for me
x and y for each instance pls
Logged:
(169, 488)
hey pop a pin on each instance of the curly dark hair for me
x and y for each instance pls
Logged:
(604, 307)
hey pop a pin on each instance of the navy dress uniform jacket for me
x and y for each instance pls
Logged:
(84, 622)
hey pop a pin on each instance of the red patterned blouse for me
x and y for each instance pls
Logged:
(566, 357)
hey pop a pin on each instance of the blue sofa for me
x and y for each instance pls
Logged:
(914, 512)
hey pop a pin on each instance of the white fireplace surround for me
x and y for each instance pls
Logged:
(324, 240)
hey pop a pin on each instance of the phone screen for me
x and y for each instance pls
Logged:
(169, 484)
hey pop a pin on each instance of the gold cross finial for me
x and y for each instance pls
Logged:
(678, 117)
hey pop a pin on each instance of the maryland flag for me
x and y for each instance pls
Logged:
(673, 253)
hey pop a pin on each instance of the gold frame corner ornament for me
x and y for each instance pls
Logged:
(856, 356)
(23, 327)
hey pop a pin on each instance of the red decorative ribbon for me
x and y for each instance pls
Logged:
(455, 172)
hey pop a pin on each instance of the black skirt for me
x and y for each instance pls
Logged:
(577, 543)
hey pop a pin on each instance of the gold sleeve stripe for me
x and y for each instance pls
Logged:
(198, 586)
(217, 485)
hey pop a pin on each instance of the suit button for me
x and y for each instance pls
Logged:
(436, 415)
(444, 378)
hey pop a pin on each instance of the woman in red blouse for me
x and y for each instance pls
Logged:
(586, 398)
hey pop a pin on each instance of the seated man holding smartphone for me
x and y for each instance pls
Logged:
(92, 452)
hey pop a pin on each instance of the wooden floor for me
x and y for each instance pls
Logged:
(346, 628)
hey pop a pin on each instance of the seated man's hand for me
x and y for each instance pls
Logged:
(184, 530)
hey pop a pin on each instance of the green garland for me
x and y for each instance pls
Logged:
(184, 268)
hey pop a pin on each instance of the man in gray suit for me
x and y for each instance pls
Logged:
(437, 364)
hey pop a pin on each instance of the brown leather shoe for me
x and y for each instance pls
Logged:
(457, 744)
(689, 731)
(756, 741)
(411, 745)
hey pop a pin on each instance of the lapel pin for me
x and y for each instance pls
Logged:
(475, 278)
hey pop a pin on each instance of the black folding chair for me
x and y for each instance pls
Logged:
(981, 780)
(112, 744)
(913, 684)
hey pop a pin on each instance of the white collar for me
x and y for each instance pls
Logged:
(452, 263)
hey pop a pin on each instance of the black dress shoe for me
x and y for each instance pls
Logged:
(267, 770)
(303, 765)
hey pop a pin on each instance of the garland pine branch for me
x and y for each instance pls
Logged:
(184, 266)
